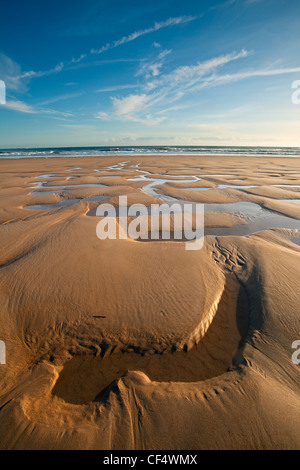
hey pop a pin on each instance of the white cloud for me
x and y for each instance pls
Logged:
(152, 68)
(148, 120)
(190, 74)
(19, 106)
(130, 104)
(160, 98)
(10, 73)
(172, 87)
(131, 37)
(78, 59)
(102, 115)
(131, 109)
(215, 80)
(20, 77)
(164, 53)
(116, 88)
(43, 73)
(155, 69)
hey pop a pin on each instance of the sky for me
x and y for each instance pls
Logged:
(167, 72)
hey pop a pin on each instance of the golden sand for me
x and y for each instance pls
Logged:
(119, 344)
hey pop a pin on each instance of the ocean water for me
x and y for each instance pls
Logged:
(148, 150)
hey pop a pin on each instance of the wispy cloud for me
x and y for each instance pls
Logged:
(152, 68)
(191, 74)
(55, 99)
(136, 34)
(131, 108)
(20, 106)
(44, 73)
(103, 116)
(215, 80)
(164, 91)
(11, 74)
(116, 88)
(148, 120)
(15, 77)
(161, 95)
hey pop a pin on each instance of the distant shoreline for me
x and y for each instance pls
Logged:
(124, 151)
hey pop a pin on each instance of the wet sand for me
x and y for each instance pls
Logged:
(119, 344)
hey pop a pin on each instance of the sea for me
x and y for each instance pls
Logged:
(127, 151)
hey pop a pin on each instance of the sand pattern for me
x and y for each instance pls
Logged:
(119, 344)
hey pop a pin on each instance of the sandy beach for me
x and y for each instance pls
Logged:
(123, 344)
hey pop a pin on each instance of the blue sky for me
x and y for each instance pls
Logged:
(154, 73)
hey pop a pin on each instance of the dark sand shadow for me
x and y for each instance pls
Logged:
(87, 378)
